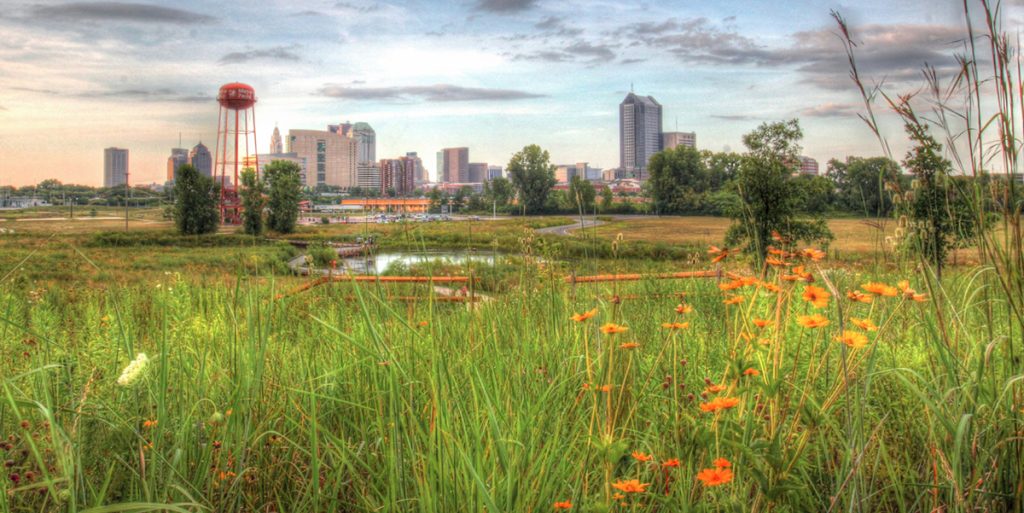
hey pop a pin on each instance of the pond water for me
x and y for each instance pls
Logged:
(376, 264)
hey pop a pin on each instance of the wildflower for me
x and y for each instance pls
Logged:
(713, 389)
(734, 300)
(920, 298)
(423, 324)
(721, 253)
(605, 388)
(864, 324)
(880, 289)
(816, 296)
(761, 323)
(675, 325)
(683, 308)
(812, 321)
(639, 456)
(611, 329)
(860, 297)
(904, 285)
(721, 463)
(799, 274)
(630, 345)
(775, 262)
(584, 316)
(618, 496)
(854, 339)
(714, 476)
(770, 287)
(563, 505)
(719, 403)
(631, 486)
(812, 254)
(149, 424)
(752, 372)
(134, 370)
(730, 285)
(671, 463)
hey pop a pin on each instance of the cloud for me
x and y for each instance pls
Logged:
(831, 110)
(277, 53)
(431, 93)
(591, 53)
(554, 26)
(632, 61)
(349, 6)
(505, 6)
(119, 11)
(152, 95)
(585, 49)
(734, 117)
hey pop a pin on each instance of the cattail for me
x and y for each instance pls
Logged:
(134, 371)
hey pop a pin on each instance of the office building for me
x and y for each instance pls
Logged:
(494, 172)
(263, 159)
(477, 172)
(201, 159)
(808, 166)
(368, 175)
(366, 142)
(330, 157)
(398, 175)
(178, 158)
(115, 167)
(565, 172)
(419, 173)
(670, 140)
(453, 165)
(276, 143)
(639, 133)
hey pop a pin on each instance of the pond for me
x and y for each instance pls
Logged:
(380, 262)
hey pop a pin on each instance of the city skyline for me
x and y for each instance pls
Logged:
(491, 75)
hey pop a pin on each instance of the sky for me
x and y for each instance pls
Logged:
(493, 75)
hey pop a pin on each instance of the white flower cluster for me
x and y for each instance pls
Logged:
(4, 231)
(134, 370)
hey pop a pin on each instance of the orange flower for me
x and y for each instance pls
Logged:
(683, 309)
(422, 324)
(730, 285)
(771, 287)
(618, 496)
(920, 298)
(760, 323)
(812, 321)
(639, 456)
(775, 262)
(605, 388)
(813, 254)
(149, 424)
(719, 403)
(817, 296)
(675, 325)
(864, 324)
(630, 486)
(563, 505)
(713, 389)
(630, 345)
(751, 372)
(584, 316)
(880, 289)
(611, 329)
(715, 476)
(671, 463)
(722, 253)
(854, 339)
(721, 463)
(734, 300)
(860, 297)
(904, 285)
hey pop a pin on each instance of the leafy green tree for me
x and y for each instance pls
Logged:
(721, 168)
(285, 193)
(816, 194)
(533, 176)
(678, 181)
(195, 206)
(252, 202)
(764, 184)
(581, 194)
(861, 184)
(607, 198)
(499, 191)
(932, 223)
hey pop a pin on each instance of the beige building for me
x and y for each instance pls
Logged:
(670, 140)
(330, 157)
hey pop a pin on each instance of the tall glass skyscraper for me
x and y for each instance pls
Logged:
(115, 167)
(639, 133)
(201, 159)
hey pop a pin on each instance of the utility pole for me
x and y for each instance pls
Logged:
(126, 191)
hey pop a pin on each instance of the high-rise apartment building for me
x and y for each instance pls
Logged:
(419, 172)
(178, 158)
(330, 157)
(453, 165)
(398, 175)
(368, 175)
(808, 166)
(670, 140)
(276, 143)
(115, 167)
(639, 133)
(201, 159)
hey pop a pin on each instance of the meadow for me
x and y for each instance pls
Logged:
(849, 384)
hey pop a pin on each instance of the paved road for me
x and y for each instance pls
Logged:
(569, 228)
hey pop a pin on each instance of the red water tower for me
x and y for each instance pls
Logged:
(235, 140)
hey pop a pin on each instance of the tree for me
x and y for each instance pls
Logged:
(764, 184)
(678, 181)
(932, 225)
(581, 194)
(195, 207)
(606, 198)
(533, 176)
(499, 191)
(252, 202)
(285, 191)
(861, 184)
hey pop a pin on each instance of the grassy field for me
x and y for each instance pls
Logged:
(714, 395)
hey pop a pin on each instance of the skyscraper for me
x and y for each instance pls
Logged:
(477, 172)
(368, 175)
(453, 165)
(639, 133)
(201, 159)
(670, 140)
(178, 158)
(115, 167)
(494, 172)
(330, 157)
(419, 173)
(366, 142)
(276, 144)
(397, 175)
